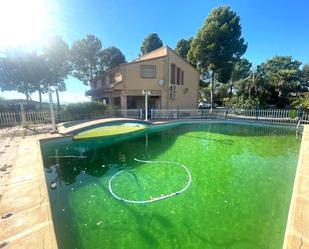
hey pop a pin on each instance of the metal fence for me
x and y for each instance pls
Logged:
(28, 118)
(264, 115)
(271, 115)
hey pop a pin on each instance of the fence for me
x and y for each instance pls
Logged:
(27, 118)
(264, 115)
(271, 115)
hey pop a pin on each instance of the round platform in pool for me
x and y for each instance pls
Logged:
(110, 130)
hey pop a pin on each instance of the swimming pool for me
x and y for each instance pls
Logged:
(242, 180)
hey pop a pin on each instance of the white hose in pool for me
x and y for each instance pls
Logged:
(156, 198)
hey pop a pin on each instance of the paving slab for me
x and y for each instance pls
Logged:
(25, 201)
(297, 230)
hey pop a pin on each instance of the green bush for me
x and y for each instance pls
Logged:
(86, 108)
(293, 114)
(301, 101)
(242, 103)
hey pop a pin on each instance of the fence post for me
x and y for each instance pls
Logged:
(256, 113)
(151, 113)
(23, 115)
(141, 113)
(51, 107)
(202, 112)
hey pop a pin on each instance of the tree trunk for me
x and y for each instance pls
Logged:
(231, 89)
(27, 96)
(58, 101)
(212, 94)
(40, 99)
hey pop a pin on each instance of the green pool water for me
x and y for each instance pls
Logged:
(242, 180)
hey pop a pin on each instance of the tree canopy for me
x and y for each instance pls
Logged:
(284, 74)
(86, 58)
(21, 71)
(27, 72)
(112, 57)
(218, 44)
(183, 46)
(150, 43)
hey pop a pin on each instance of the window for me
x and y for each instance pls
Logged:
(173, 73)
(131, 102)
(182, 77)
(148, 71)
(178, 76)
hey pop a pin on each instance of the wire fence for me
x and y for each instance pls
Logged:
(32, 118)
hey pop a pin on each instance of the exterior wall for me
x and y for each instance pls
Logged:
(186, 94)
(132, 79)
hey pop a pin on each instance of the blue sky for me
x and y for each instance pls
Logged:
(271, 27)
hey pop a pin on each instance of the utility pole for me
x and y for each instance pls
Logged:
(52, 113)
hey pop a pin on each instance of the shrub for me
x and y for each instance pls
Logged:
(242, 103)
(86, 108)
(301, 101)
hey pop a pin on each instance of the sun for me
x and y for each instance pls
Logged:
(23, 22)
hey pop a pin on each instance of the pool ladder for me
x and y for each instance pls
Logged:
(297, 127)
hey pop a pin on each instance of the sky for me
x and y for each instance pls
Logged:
(270, 27)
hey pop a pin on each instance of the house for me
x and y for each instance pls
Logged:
(172, 81)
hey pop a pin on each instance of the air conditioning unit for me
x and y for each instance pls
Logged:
(173, 91)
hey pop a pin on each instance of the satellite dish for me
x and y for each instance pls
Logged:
(161, 82)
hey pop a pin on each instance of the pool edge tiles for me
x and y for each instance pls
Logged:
(297, 230)
(26, 197)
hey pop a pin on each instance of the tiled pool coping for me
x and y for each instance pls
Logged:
(31, 224)
(297, 230)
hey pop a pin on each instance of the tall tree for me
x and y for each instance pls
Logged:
(86, 58)
(305, 79)
(183, 46)
(283, 72)
(218, 44)
(150, 43)
(21, 71)
(241, 70)
(112, 57)
(57, 59)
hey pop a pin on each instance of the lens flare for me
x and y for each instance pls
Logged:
(24, 22)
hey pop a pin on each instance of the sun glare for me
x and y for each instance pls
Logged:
(23, 22)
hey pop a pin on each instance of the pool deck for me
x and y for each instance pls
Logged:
(297, 230)
(25, 195)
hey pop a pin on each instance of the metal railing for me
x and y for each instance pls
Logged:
(187, 113)
(291, 116)
(263, 115)
(28, 118)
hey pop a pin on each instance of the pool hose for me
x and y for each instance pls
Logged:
(110, 184)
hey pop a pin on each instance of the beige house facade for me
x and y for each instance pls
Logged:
(172, 82)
